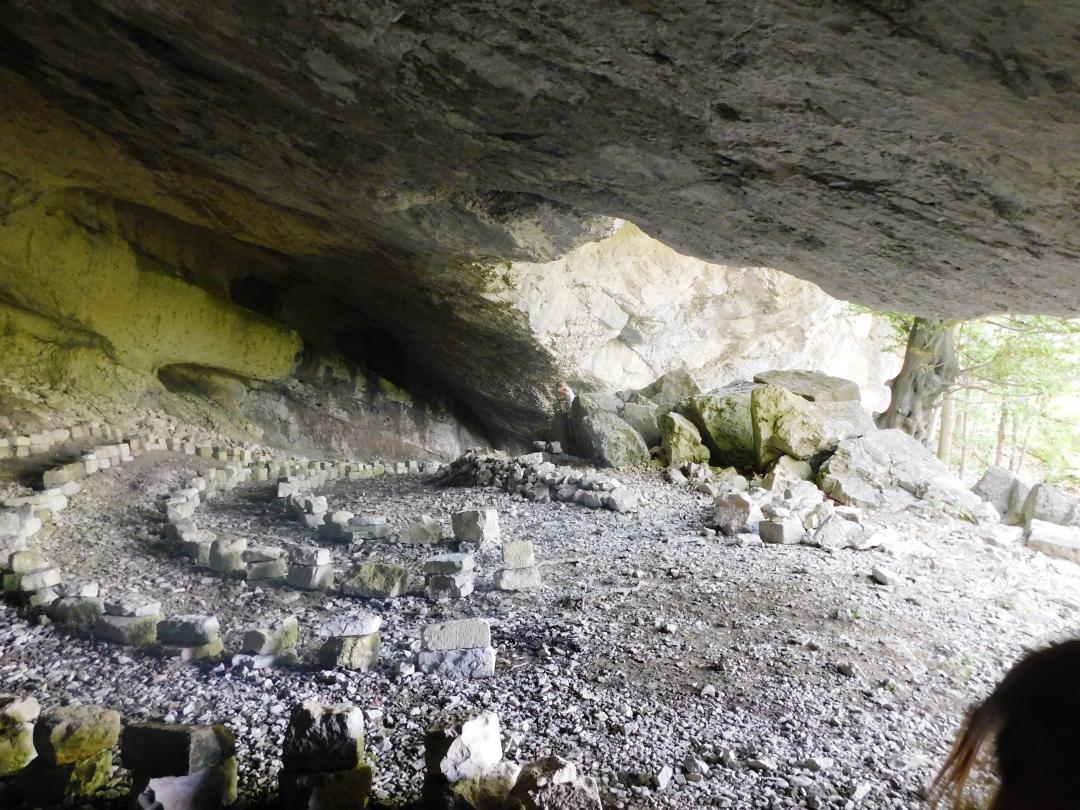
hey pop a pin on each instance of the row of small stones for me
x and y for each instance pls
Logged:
(455, 649)
(67, 753)
(536, 478)
(132, 619)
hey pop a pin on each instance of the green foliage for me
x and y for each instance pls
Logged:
(1028, 366)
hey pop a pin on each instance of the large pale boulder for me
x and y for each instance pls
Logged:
(1048, 503)
(640, 414)
(784, 424)
(723, 419)
(1002, 490)
(670, 389)
(812, 385)
(889, 468)
(611, 442)
(681, 441)
(1054, 540)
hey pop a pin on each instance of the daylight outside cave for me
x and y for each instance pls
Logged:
(489, 406)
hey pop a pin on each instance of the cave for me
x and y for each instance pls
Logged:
(483, 404)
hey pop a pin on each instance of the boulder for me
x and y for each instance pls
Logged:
(1054, 540)
(476, 527)
(641, 416)
(670, 389)
(1049, 504)
(71, 733)
(553, 783)
(357, 653)
(889, 468)
(812, 385)
(781, 530)
(784, 424)
(323, 738)
(425, 530)
(786, 470)
(1002, 490)
(376, 580)
(837, 532)
(461, 746)
(723, 419)
(681, 441)
(152, 749)
(17, 716)
(611, 442)
(735, 512)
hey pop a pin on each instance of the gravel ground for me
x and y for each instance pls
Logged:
(793, 678)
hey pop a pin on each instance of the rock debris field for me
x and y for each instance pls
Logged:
(676, 666)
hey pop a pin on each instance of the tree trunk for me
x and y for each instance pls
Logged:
(929, 369)
(945, 432)
(964, 440)
(1003, 424)
(1024, 447)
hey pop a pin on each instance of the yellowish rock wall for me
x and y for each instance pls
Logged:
(81, 303)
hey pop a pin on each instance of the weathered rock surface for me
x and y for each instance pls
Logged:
(890, 468)
(526, 133)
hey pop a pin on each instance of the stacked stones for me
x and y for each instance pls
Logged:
(352, 642)
(309, 508)
(189, 637)
(537, 479)
(17, 526)
(78, 607)
(17, 716)
(458, 649)
(27, 444)
(30, 578)
(476, 529)
(131, 620)
(376, 580)
(272, 644)
(520, 571)
(176, 765)
(310, 569)
(264, 563)
(227, 555)
(324, 764)
(449, 576)
(74, 754)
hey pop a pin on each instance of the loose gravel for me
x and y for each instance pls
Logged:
(678, 669)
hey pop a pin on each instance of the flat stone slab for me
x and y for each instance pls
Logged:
(376, 580)
(518, 554)
(132, 605)
(357, 623)
(458, 664)
(518, 579)
(450, 563)
(136, 631)
(458, 634)
(191, 630)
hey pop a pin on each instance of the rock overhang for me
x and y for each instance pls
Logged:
(913, 159)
